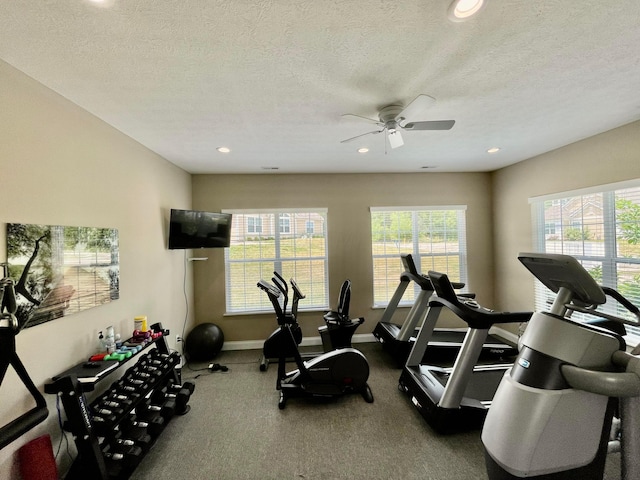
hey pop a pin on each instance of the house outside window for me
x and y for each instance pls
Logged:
(285, 223)
(282, 244)
(254, 225)
(601, 228)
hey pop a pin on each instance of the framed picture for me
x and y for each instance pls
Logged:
(60, 270)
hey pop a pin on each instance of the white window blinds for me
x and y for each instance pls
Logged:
(601, 228)
(435, 236)
(292, 242)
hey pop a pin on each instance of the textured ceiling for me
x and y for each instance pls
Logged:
(271, 78)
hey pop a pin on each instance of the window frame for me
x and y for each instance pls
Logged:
(271, 231)
(609, 259)
(418, 255)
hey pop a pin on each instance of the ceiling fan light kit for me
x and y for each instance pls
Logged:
(395, 139)
(462, 10)
(394, 118)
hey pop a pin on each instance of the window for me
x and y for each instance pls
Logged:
(285, 223)
(266, 240)
(310, 227)
(435, 236)
(601, 228)
(254, 225)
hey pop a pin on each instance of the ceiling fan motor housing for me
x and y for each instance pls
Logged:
(388, 116)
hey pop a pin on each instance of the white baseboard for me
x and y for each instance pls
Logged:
(309, 341)
(357, 338)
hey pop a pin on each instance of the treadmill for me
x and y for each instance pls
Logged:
(455, 399)
(444, 343)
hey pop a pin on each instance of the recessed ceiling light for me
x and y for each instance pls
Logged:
(493, 150)
(223, 149)
(363, 150)
(461, 10)
(102, 3)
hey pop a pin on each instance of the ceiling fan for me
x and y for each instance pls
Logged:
(394, 118)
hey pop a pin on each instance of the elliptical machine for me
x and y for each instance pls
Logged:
(336, 333)
(552, 413)
(338, 372)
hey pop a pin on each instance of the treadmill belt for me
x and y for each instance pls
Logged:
(456, 337)
(483, 383)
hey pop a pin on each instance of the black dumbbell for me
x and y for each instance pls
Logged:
(147, 410)
(103, 424)
(143, 440)
(133, 430)
(133, 385)
(174, 387)
(123, 401)
(115, 407)
(181, 397)
(125, 389)
(153, 426)
(155, 354)
(147, 369)
(128, 457)
(132, 427)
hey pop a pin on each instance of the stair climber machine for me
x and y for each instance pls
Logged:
(444, 344)
(552, 414)
(336, 333)
(334, 373)
(455, 399)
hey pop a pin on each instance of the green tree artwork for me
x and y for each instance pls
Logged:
(61, 270)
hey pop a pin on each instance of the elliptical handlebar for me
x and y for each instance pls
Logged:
(297, 296)
(267, 287)
(623, 301)
(281, 283)
(274, 294)
(612, 384)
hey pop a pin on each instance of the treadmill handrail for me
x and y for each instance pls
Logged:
(411, 273)
(474, 314)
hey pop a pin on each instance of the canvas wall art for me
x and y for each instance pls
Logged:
(61, 270)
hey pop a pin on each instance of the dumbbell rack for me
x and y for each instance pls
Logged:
(111, 441)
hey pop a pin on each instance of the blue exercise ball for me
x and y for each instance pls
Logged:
(204, 342)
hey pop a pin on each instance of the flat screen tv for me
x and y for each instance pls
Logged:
(193, 229)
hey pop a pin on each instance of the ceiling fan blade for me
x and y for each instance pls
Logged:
(395, 139)
(371, 120)
(361, 135)
(431, 125)
(416, 108)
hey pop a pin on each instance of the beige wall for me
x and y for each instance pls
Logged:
(347, 198)
(60, 165)
(610, 157)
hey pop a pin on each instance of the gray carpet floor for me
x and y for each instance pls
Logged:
(235, 431)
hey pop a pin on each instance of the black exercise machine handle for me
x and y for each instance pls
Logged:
(28, 420)
(474, 314)
(9, 328)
